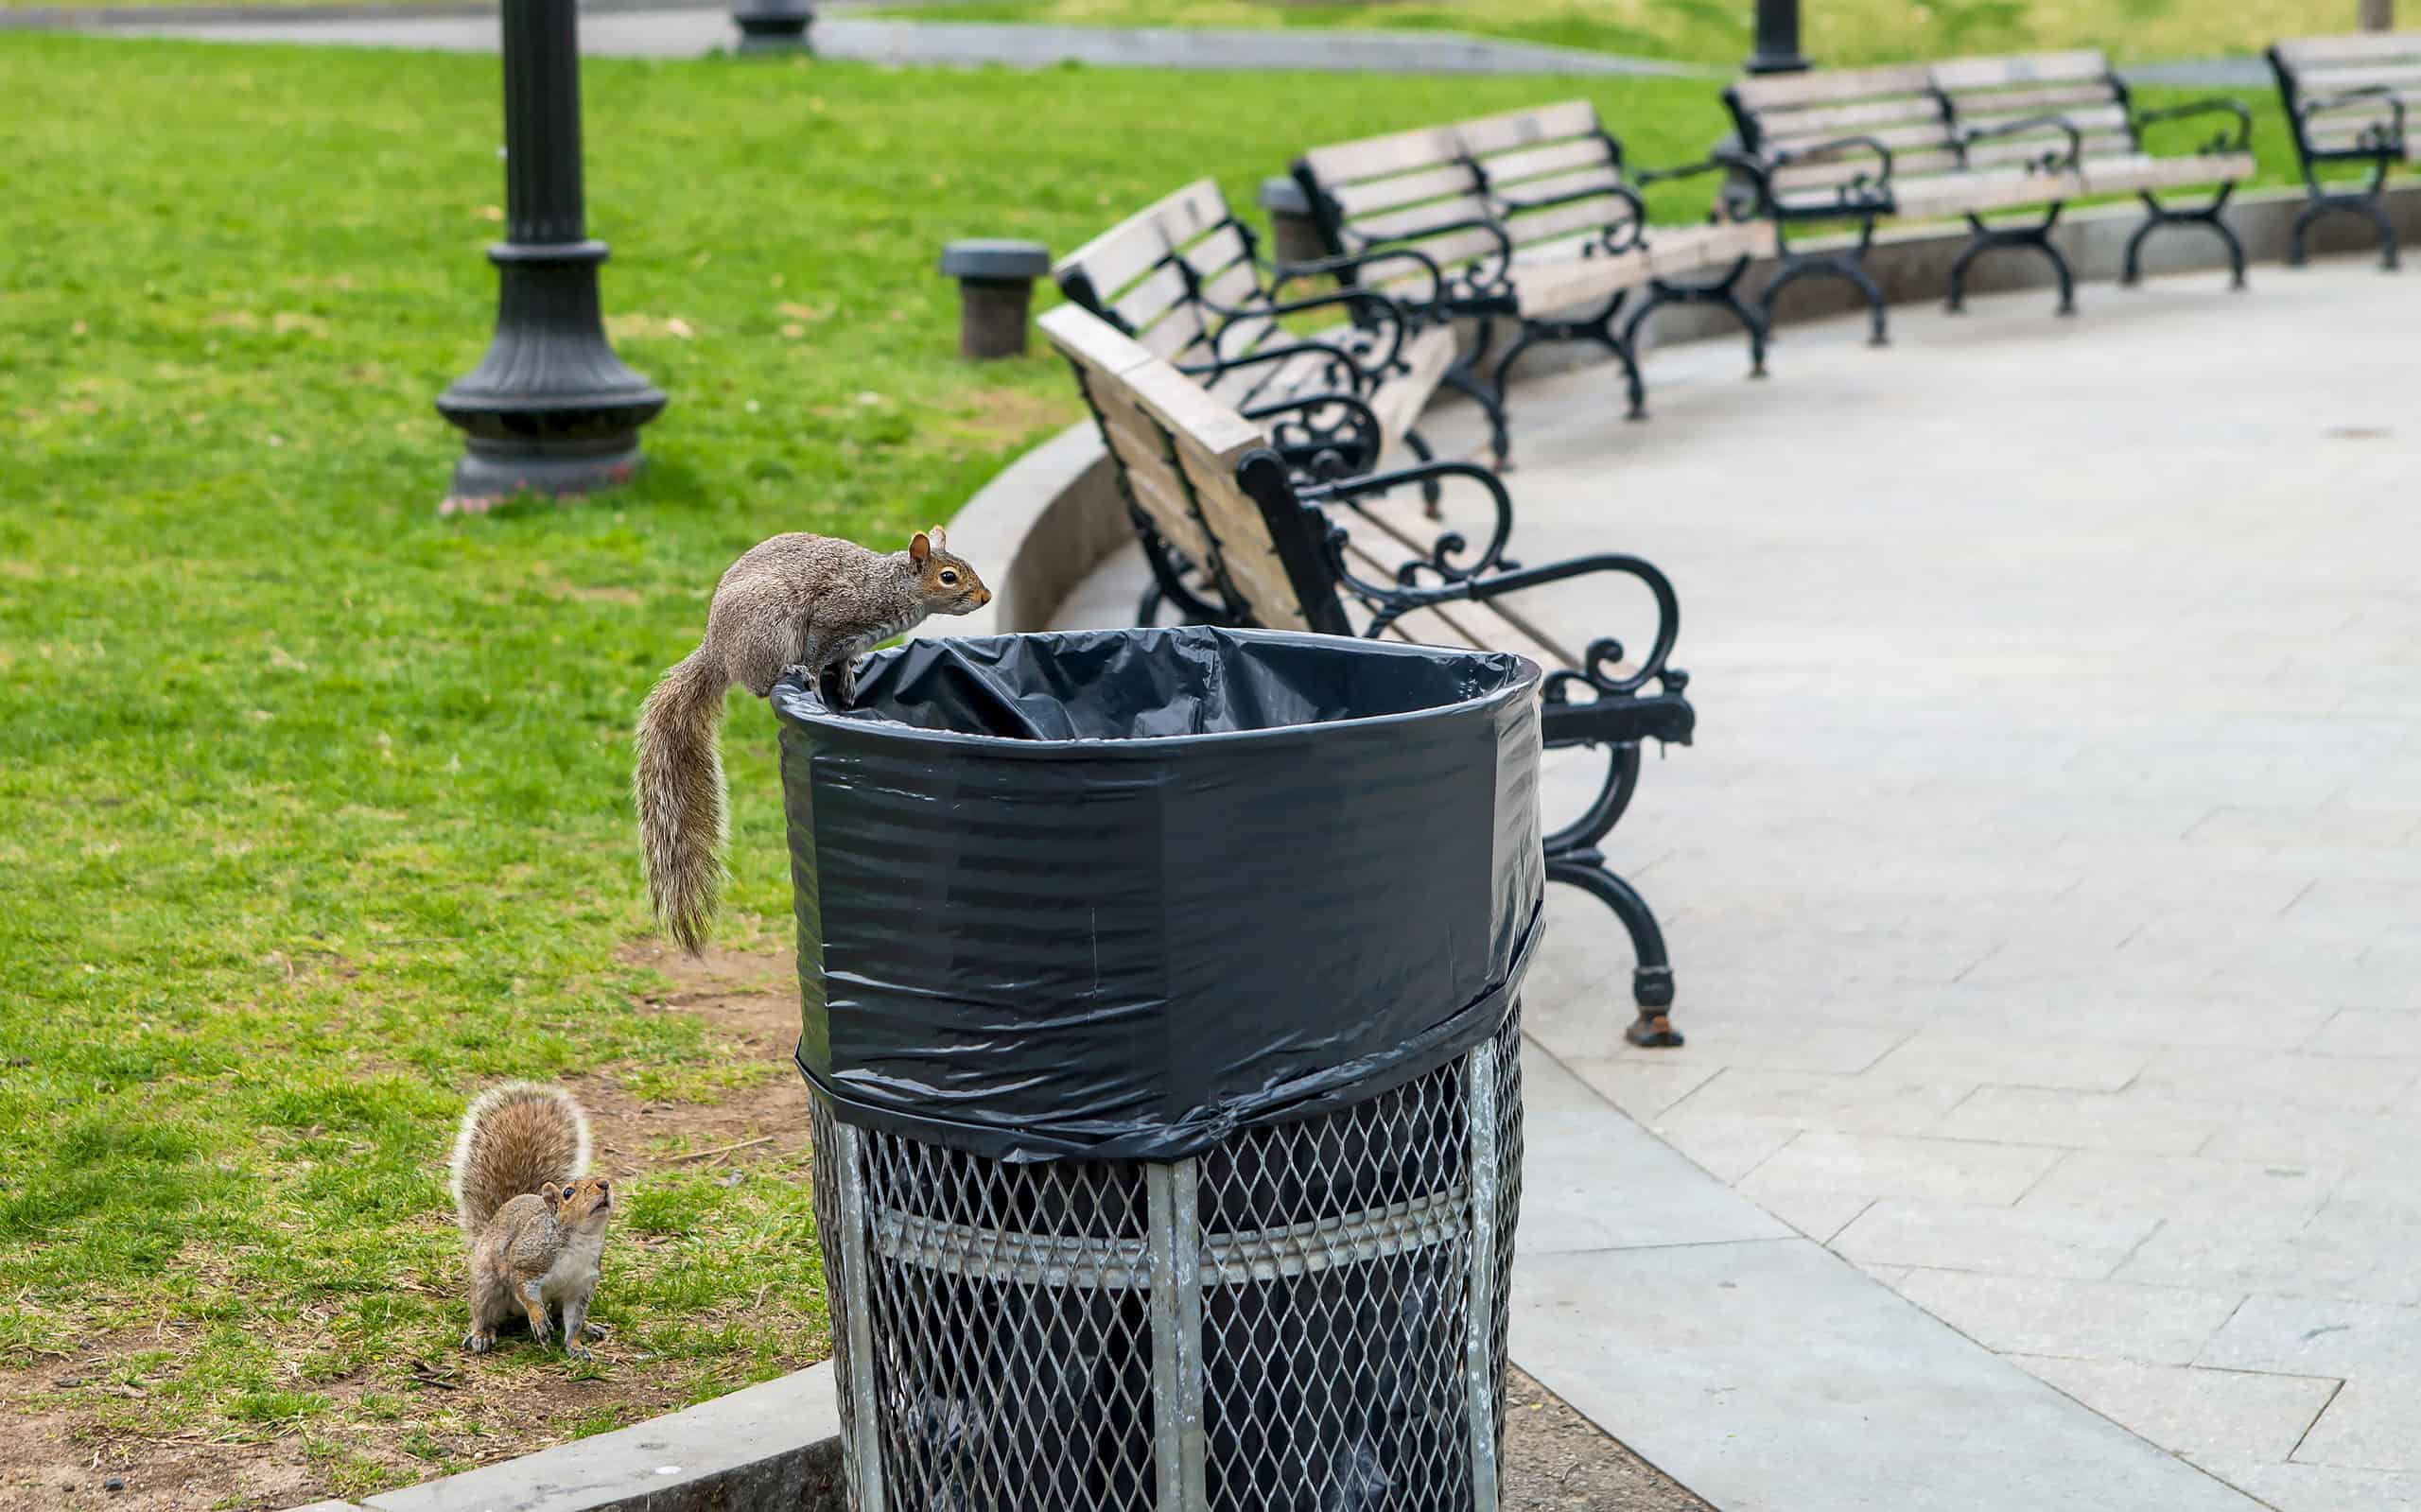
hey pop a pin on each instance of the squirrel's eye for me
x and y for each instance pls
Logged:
(567, 1192)
(950, 579)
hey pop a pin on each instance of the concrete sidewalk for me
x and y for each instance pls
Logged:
(2044, 893)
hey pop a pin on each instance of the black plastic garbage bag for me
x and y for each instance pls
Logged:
(1117, 894)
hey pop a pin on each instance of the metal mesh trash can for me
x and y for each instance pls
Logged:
(1159, 1021)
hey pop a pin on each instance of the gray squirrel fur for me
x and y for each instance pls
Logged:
(801, 601)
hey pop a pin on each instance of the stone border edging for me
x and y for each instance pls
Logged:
(773, 1444)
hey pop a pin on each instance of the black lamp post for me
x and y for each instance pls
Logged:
(1777, 46)
(550, 409)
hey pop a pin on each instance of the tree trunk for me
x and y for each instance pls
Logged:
(2378, 15)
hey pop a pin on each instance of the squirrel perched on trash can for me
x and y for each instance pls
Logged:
(534, 1217)
(807, 602)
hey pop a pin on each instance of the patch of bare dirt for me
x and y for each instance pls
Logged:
(998, 416)
(750, 1002)
(1557, 1461)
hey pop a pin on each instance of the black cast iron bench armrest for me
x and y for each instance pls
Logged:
(1974, 134)
(1283, 273)
(1665, 717)
(1784, 157)
(1718, 162)
(1383, 313)
(1638, 222)
(2214, 105)
(2381, 145)
(1208, 373)
(1304, 453)
(1487, 294)
(1440, 562)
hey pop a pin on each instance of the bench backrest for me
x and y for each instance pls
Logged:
(1918, 111)
(2078, 88)
(1183, 457)
(1158, 275)
(1384, 190)
(1793, 113)
(2337, 89)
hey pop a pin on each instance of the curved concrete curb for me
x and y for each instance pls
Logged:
(773, 1445)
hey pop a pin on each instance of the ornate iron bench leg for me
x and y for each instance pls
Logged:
(2325, 203)
(2036, 236)
(1599, 328)
(1833, 265)
(2157, 214)
(1724, 291)
(1573, 856)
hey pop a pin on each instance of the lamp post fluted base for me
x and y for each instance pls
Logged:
(551, 408)
(773, 25)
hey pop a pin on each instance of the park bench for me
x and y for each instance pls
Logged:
(1971, 137)
(2349, 100)
(1532, 214)
(1184, 278)
(1201, 478)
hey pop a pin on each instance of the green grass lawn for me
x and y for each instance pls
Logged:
(1717, 31)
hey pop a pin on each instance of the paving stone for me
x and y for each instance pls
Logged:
(1890, 1165)
(1819, 1215)
(2291, 1487)
(2193, 1412)
(2086, 1120)
(2324, 1083)
(2347, 1249)
(1642, 1085)
(2178, 1185)
(1937, 1056)
(2374, 1424)
(2371, 1032)
(1726, 1148)
(1870, 1102)
(1754, 1376)
(1593, 1179)
(2052, 1241)
(2318, 1336)
(2091, 1320)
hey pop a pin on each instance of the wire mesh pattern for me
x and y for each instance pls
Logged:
(1309, 1316)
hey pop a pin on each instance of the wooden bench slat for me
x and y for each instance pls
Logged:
(2370, 75)
(1599, 179)
(2102, 117)
(1933, 133)
(2017, 102)
(1397, 190)
(1373, 156)
(1518, 172)
(1530, 227)
(1832, 170)
(1120, 255)
(2358, 48)
(2026, 148)
(1486, 134)
(2141, 170)
(1545, 287)
(1148, 301)
(1910, 112)
(1406, 224)
(1181, 327)
(1232, 287)
(1953, 75)
(1826, 86)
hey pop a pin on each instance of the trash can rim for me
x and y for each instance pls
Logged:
(794, 704)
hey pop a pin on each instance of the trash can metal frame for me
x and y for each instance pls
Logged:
(1180, 1261)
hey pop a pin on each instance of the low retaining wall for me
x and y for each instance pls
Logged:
(1042, 525)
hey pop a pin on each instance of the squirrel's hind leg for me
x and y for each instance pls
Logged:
(492, 1308)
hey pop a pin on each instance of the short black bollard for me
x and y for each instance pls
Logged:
(773, 25)
(1295, 236)
(995, 287)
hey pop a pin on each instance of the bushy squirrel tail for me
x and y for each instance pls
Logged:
(679, 783)
(515, 1138)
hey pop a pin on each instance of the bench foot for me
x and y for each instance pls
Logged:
(1598, 328)
(1491, 400)
(1725, 293)
(2037, 237)
(2157, 214)
(2361, 204)
(1573, 857)
(1829, 264)
(1430, 494)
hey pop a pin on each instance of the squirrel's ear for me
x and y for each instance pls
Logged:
(919, 549)
(941, 542)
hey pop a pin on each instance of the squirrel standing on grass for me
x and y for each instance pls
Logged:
(534, 1217)
(799, 601)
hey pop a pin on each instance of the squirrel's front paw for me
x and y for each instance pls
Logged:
(478, 1340)
(542, 1331)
